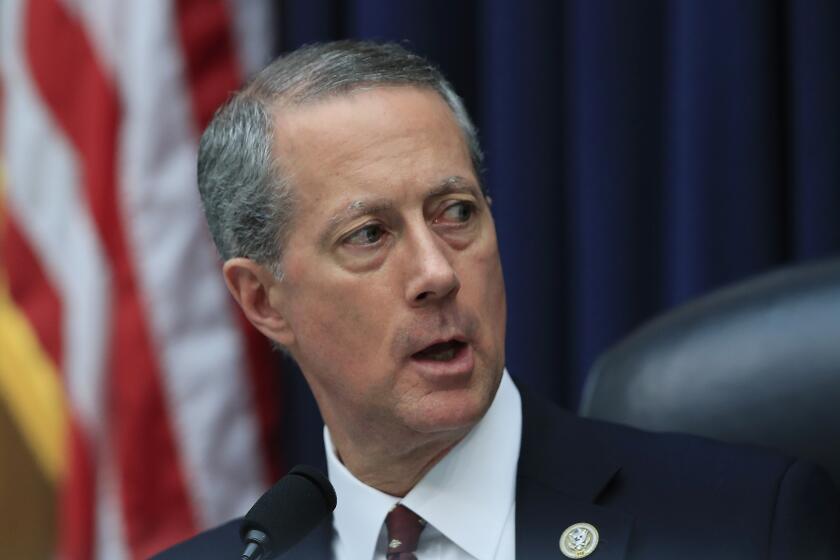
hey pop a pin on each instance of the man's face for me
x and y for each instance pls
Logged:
(392, 288)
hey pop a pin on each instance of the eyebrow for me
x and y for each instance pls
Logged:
(454, 184)
(362, 207)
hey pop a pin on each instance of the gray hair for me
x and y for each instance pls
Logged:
(247, 199)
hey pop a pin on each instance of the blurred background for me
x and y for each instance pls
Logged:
(638, 154)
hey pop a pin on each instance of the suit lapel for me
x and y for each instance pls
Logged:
(562, 472)
(543, 513)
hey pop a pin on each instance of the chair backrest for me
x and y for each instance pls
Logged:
(757, 362)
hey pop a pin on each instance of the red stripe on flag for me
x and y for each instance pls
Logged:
(30, 289)
(76, 496)
(212, 67)
(213, 73)
(85, 104)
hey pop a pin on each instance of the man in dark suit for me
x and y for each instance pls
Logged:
(342, 189)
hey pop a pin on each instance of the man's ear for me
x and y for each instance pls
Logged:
(255, 289)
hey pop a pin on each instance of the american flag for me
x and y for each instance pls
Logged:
(146, 397)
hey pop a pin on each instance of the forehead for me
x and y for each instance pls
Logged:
(378, 141)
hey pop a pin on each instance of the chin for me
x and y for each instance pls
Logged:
(449, 411)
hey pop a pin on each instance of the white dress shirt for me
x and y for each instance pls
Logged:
(467, 499)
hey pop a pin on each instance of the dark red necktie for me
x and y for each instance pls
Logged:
(404, 527)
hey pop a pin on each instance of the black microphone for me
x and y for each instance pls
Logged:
(285, 514)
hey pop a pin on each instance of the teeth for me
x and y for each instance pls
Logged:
(444, 356)
(442, 352)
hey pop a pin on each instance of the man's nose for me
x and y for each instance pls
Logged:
(431, 274)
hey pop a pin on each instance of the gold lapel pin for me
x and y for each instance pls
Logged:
(579, 540)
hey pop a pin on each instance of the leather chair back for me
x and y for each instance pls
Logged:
(756, 363)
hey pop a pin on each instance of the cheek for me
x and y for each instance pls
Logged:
(339, 329)
(489, 266)
(490, 291)
(497, 308)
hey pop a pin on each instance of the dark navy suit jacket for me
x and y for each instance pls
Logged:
(651, 496)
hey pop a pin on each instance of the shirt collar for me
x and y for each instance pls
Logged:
(360, 509)
(473, 486)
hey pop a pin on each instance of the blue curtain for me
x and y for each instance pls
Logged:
(638, 153)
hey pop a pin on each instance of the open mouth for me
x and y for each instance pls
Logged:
(440, 352)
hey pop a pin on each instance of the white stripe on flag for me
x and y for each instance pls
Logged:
(253, 32)
(198, 339)
(109, 539)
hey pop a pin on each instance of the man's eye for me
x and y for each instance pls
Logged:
(367, 235)
(459, 212)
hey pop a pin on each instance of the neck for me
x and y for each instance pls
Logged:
(391, 470)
